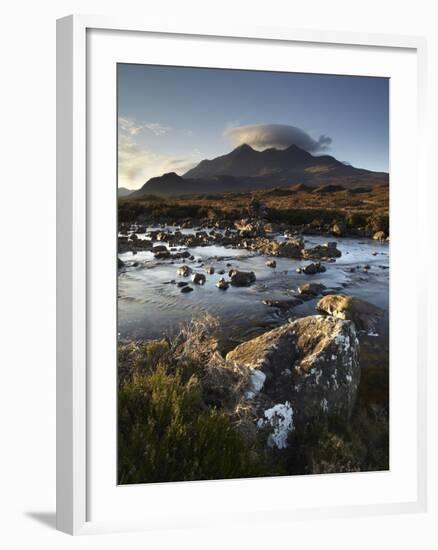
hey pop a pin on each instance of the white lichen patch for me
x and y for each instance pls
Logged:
(324, 404)
(256, 382)
(280, 419)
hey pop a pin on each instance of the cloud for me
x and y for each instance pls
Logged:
(137, 163)
(131, 127)
(280, 136)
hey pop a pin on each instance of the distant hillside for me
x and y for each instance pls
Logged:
(245, 169)
(123, 192)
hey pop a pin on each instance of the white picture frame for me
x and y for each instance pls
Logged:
(74, 219)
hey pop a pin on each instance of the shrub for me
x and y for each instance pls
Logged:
(167, 434)
(335, 445)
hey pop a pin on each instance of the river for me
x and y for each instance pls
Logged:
(150, 303)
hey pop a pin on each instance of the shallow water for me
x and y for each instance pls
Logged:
(150, 304)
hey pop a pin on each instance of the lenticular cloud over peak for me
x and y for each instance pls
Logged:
(280, 136)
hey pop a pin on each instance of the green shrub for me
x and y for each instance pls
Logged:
(335, 445)
(166, 433)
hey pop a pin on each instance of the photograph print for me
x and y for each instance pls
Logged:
(252, 274)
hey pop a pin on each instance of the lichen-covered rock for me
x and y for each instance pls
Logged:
(364, 315)
(311, 363)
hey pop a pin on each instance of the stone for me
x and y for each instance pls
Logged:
(311, 288)
(271, 263)
(242, 278)
(312, 269)
(222, 284)
(283, 304)
(338, 229)
(379, 236)
(198, 278)
(363, 314)
(311, 363)
(184, 270)
(322, 251)
(165, 254)
(186, 289)
(159, 248)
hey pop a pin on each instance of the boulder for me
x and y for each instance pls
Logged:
(181, 284)
(312, 269)
(186, 289)
(311, 364)
(198, 278)
(159, 248)
(250, 229)
(184, 270)
(210, 270)
(364, 315)
(322, 251)
(338, 229)
(291, 248)
(379, 236)
(312, 289)
(271, 263)
(120, 263)
(164, 255)
(222, 284)
(242, 278)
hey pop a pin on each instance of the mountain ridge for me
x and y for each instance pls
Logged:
(246, 169)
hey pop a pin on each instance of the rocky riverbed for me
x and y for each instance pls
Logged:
(150, 286)
(300, 334)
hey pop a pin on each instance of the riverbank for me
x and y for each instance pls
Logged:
(252, 295)
(330, 209)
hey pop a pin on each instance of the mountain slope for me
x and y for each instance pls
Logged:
(123, 192)
(245, 169)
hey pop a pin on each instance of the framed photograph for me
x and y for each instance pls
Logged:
(239, 336)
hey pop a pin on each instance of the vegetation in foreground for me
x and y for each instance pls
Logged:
(178, 422)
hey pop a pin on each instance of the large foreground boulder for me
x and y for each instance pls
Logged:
(364, 315)
(308, 367)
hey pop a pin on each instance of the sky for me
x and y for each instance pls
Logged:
(171, 118)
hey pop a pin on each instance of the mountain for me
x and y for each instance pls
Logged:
(245, 169)
(123, 192)
(244, 161)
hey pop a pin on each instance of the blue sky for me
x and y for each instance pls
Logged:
(170, 118)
